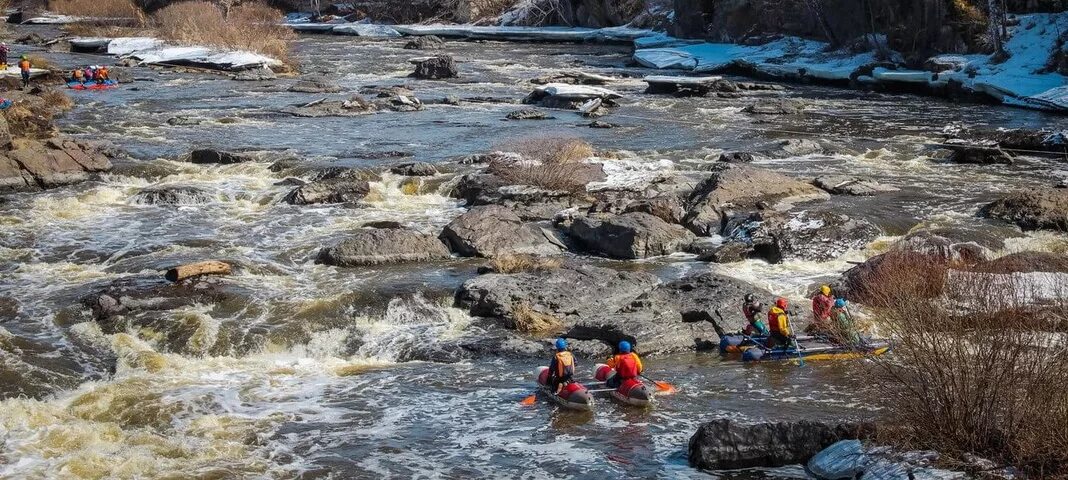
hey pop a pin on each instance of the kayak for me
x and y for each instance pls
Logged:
(632, 392)
(572, 396)
(816, 350)
(108, 84)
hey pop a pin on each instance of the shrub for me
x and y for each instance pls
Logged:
(528, 320)
(97, 8)
(547, 162)
(37, 61)
(57, 100)
(971, 371)
(252, 27)
(523, 263)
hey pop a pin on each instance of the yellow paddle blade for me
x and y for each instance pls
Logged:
(529, 400)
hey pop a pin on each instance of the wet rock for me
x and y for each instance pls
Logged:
(877, 279)
(314, 86)
(736, 157)
(1041, 140)
(414, 169)
(738, 188)
(554, 292)
(951, 246)
(1037, 209)
(32, 38)
(843, 185)
(776, 106)
(529, 202)
(426, 42)
(136, 294)
(600, 124)
(688, 86)
(35, 165)
(352, 107)
(665, 207)
(1062, 184)
(760, 87)
(973, 152)
(255, 75)
(560, 95)
(334, 190)
(377, 246)
(728, 252)
(572, 78)
(1025, 262)
(795, 148)
(629, 236)
(806, 235)
(173, 195)
(436, 68)
(492, 230)
(182, 121)
(211, 156)
(382, 224)
(528, 114)
(724, 444)
(290, 182)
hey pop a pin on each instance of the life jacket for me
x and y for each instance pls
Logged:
(565, 364)
(77, 74)
(103, 73)
(626, 365)
(777, 321)
(24, 65)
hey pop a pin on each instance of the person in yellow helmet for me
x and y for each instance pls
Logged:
(779, 324)
(822, 304)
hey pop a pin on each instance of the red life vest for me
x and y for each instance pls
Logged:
(626, 366)
(565, 364)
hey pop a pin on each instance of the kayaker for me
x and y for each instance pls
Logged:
(561, 367)
(103, 74)
(846, 330)
(24, 66)
(88, 73)
(3, 55)
(751, 310)
(822, 303)
(779, 321)
(626, 363)
(77, 76)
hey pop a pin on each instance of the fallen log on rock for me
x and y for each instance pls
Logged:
(209, 267)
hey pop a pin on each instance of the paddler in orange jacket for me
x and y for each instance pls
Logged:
(779, 324)
(561, 367)
(626, 363)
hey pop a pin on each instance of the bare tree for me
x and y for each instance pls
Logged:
(816, 7)
(996, 29)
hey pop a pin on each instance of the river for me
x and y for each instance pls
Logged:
(314, 371)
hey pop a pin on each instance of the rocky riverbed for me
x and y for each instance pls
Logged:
(376, 322)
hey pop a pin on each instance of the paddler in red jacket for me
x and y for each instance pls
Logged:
(822, 304)
(626, 363)
(561, 367)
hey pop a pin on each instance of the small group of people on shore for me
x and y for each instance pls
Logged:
(90, 74)
(830, 319)
(562, 367)
(24, 64)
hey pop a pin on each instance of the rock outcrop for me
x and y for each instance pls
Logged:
(34, 165)
(1037, 209)
(414, 169)
(725, 445)
(383, 245)
(492, 230)
(805, 235)
(843, 185)
(334, 190)
(173, 195)
(436, 68)
(629, 236)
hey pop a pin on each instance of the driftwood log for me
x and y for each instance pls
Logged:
(209, 267)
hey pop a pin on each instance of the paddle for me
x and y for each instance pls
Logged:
(800, 359)
(530, 400)
(661, 386)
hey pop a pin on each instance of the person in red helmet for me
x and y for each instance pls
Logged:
(779, 324)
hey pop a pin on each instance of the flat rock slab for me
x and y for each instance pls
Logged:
(492, 230)
(629, 236)
(377, 246)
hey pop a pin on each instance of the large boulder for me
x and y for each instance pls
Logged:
(805, 235)
(1025, 262)
(414, 169)
(1034, 209)
(882, 279)
(568, 293)
(956, 246)
(34, 165)
(436, 67)
(529, 202)
(776, 106)
(739, 188)
(136, 294)
(383, 245)
(631, 235)
(334, 190)
(492, 230)
(981, 153)
(425, 42)
(213, 156)
(724, 444)
(173, 195)
(843, 185)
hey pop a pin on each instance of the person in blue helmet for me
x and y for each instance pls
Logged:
(847, 332)
(561, 367)
(626, 363)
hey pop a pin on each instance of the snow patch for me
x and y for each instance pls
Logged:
(153, 50)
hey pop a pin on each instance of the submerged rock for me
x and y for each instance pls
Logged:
(631, 235)
(173, 195)
(528, 114)
(736, 157)
(739, 188)
(436, 68)
(1037, 209)
(378, 245)
(776, 106)
(414, 169)
(255, 75)
(843, 185)
(724, 444)
(212, 156)
(314, 86)
(334, 190)
(425, 42)
(980, 153)
(492, 230)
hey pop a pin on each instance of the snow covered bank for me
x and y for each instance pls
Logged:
(472, 32)
(358, 29)
(155, 51)
(1019, 81)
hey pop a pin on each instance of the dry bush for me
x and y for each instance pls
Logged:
(547, 162)
(29, 121)
(972, 370)
(57, 100)
(97, 8)
(91, 29)
(524, 263)
(37, 61)
(252, 27)
(525, 319)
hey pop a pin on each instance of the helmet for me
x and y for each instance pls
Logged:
(749, 297)
(781, 303)
(561, 344)
(24, 57)
(624, 347)
(840, 303)
(826, 289)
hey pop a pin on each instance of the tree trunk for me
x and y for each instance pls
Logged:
(996, 28)
(209, 267)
